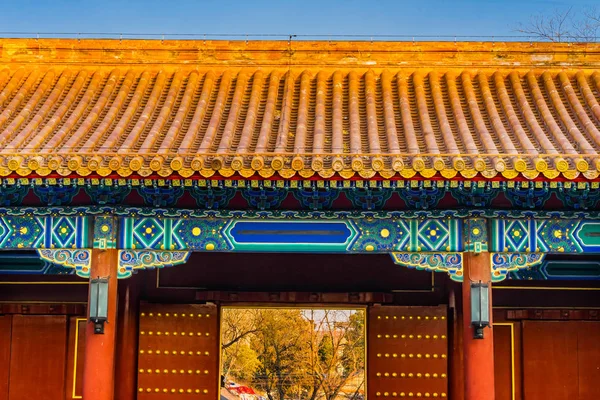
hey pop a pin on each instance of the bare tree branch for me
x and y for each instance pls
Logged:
(553, 28)
(238, 338)
(590, 25)
(565, 25)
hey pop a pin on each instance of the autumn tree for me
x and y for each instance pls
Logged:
(238, 324)
(353, 357)
(242, 362)
(295, 353)
(336, 357)
(281, 343)
(238, 358)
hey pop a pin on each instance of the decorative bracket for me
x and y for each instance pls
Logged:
(451, 263)
(79, 259)
(503, 263)
(130, 260)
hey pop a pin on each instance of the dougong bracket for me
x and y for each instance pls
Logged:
(130, 260)
(79, 259)
(451, 263)
(503, 263)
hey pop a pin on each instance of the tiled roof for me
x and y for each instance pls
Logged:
(339, 120)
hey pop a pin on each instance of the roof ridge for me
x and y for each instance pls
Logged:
(286, 54)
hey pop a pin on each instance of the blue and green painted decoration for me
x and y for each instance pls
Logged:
(451, 263)
(548, 269)
(432, 240)
(332, 234)
(303, 195)
(38, 232)
(548, 236)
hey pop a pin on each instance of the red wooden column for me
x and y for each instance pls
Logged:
(99, 364)
(127, 339)
(478, 353)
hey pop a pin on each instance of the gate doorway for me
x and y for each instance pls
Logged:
(293, 353)
(403, 354)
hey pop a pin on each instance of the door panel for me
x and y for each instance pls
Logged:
(550, 360)
(5, 333)
(588, 343)
(76, 351)
(407, 352)
(38, 355)
(178, 351)
(503, 361)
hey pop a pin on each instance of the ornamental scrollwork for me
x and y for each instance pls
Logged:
(130, 260)
(503, 263)
(451, 263)
(79, 259)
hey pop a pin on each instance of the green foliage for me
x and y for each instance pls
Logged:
(326, 349)
(354, 350)
(243, 362)
(280, 343)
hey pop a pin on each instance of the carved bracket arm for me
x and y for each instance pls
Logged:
(128, 260)
(451, 263)
(79, 259)
(503, 263)
(131, 260)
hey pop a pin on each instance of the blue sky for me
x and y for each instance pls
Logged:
(370, 17)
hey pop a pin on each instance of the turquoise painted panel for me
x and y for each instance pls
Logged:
(553, 235)
(154, 233)
(581, 270)
(292, 232)
(588, 235)
(290, 236)
(29, 263)
(33, 232)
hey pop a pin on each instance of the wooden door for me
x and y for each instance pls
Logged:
(5, 337)
(38, 357)
(178, 351)
(588, 362)
(407, 351)
(507, 360)
(75, 358)
(561, 360)
(549, 360)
